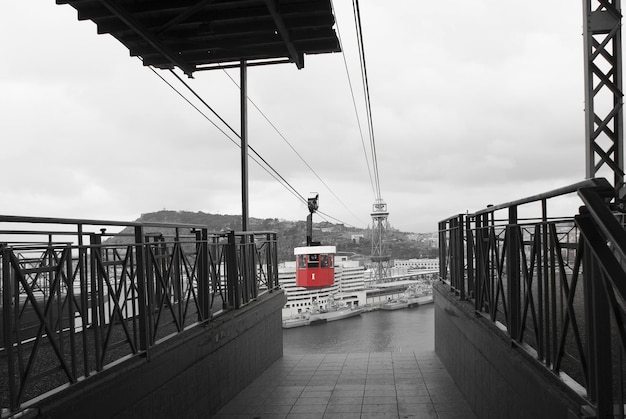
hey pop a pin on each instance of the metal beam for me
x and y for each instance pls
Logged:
(298, 59)
(149, 37)
(184, 15)
(603, 90)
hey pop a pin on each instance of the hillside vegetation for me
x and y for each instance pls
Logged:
(399, 245)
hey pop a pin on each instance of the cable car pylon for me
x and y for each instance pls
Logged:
(380, 259)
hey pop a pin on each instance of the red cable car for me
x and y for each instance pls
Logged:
(315, 264)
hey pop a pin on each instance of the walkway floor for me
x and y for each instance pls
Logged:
(355, 385)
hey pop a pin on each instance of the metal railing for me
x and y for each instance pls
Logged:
(76, 299)
(555, 285)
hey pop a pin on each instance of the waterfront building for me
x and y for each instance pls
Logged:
(411, 264)
(348, 288)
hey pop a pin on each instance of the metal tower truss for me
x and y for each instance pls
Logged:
(603, 91)
(379, 227)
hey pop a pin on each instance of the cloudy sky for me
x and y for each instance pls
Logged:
(473, 103)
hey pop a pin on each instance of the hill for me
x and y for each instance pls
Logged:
(399, 245)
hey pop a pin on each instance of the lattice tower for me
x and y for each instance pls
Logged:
(380, 258)
(603, 91)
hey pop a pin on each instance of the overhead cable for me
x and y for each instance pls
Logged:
(295, 151)
(357, 19)
(356, 112)
(268, 168)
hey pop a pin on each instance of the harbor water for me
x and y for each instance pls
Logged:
(405, 330)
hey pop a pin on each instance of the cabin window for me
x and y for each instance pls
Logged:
(301, 262)
(324, 261)
(314, 261)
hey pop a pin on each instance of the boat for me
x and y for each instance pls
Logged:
(420, 294)
(336, 310)
(415, 295)
(424, 299)
(337, 314)
(302, 319)
(289, 323)
(394, 305)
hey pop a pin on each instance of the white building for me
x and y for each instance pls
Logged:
(409, 264)
(349, 287)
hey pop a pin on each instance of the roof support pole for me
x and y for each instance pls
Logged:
(243, 74)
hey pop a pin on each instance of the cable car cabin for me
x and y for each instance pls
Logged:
(315, 266)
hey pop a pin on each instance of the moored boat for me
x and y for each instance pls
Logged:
(289, 323)
(424, 299)
(415, 295)
(394, 305)
(422, 294)
(337, 314)
(301, 319)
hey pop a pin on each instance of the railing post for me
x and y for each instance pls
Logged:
(482, 254)
(272, 262)
(97, 297)
(71, 309)
(202, 252)
(176, 280)
(598, 327)
(142, 295)
(245, 271)
(8, 290)
(460, 258)
(251, 262)
(443, 250)
(551, 293)
(513, 274)
(543, 263)
(452, 253)
(470, 255)
(457, 274)
(232, 277)
(84, 297)
(155, 261)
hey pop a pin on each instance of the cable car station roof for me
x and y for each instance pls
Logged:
(198, 35)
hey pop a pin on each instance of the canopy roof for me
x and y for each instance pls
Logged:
(311, 250)
(204, 34)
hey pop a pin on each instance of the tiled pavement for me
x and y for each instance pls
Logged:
(354, 385)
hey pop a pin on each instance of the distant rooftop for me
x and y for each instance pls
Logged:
(196, 35)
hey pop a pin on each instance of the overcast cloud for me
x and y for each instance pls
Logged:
(474, 103)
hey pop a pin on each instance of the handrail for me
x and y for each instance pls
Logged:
(604, 241)
(600, 184)
(66, 221)
(84, 302)
(553, 284)
(604, 219)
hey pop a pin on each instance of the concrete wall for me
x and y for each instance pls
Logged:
(498, 379)
(189, 376)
